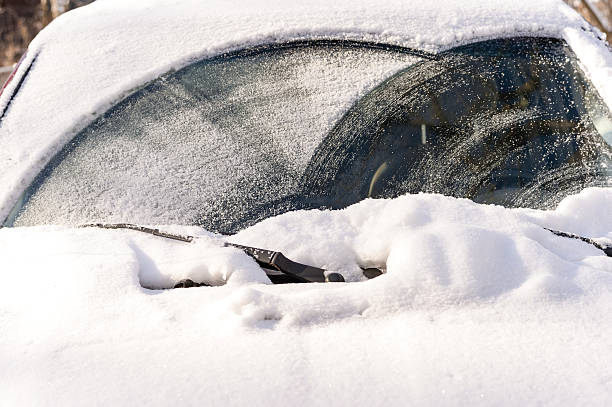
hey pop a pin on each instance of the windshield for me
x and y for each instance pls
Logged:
(233, 140)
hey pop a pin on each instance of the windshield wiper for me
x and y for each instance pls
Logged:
(607, 249)
(278, 268)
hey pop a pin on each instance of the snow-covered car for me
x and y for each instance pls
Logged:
(345, 135)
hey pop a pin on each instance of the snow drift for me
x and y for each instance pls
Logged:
(479, 305)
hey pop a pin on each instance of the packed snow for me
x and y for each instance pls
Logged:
(479, 306)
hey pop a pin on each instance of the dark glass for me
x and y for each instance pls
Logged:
(228, 142)
(508, 122)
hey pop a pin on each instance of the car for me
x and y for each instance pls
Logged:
(432, 147)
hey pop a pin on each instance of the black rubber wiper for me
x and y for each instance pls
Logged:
(278, 268)
(607, 249)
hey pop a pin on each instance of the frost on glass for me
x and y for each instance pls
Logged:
(508, 122)
(227, 142)
(212, 144)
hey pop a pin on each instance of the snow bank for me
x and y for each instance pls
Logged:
(479, 306)
(440, 249)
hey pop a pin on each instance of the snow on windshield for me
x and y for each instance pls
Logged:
(202, 145)
(227, 142)
(96, 58)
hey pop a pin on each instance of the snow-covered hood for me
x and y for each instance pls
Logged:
(453, 244)
(479, 306)
(90, 58)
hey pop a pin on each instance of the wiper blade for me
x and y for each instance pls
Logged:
(278, 268)
(607, 249)
(144, 229)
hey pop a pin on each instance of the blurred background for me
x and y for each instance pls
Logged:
(596, 12)
(21, 20)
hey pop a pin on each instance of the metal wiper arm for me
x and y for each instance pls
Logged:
(302, 273)
(279, 268)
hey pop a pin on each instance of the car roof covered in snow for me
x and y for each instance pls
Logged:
(89, 58)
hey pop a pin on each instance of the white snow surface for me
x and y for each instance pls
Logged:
(479, 306)
(91, 57)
